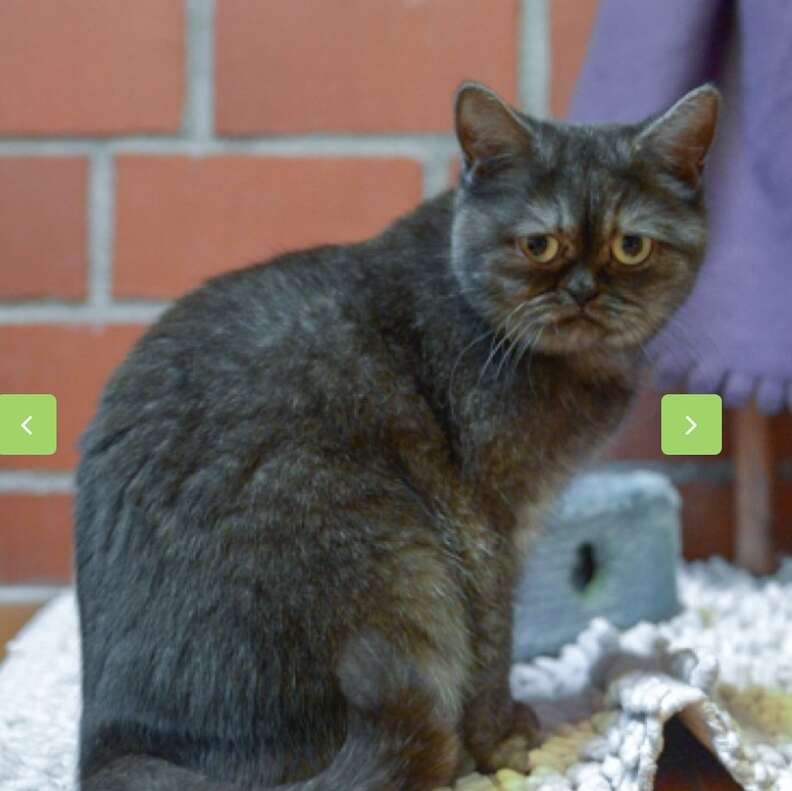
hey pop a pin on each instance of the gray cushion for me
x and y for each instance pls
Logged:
(609, 548)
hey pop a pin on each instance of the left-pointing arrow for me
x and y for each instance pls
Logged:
(24, 425)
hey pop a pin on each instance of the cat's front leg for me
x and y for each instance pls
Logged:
(498, 731)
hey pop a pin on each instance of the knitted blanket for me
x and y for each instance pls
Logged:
(724, 664)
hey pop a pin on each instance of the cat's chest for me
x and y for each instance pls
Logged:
(526, 445)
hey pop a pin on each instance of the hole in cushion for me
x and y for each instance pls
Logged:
(585, 568)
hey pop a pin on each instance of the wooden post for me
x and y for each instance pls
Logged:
(754, 547)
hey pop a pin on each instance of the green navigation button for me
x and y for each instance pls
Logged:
(691, 425)
(28, 425)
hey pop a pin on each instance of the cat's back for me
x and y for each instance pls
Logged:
(270, 339)
(233, 355)
(256, 367)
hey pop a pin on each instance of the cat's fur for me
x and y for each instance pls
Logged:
(299, 500)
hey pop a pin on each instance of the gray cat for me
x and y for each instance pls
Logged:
(300, 499)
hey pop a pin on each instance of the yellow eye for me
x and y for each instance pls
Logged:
(541, 248)
(630, 250)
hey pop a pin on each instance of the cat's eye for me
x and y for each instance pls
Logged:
(542, 248)
(631, 249)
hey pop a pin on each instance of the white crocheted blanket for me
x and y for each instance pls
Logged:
(724, 665)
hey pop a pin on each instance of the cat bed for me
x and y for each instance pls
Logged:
(723, 664)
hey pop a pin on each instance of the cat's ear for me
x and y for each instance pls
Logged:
(682, 136)
(488, 129)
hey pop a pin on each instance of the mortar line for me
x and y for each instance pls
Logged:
(436, 171)
(26, 593)
(534, 57)
(101, 210)
(198, 117)
(36, 482)
(111, 312)
(413, 145)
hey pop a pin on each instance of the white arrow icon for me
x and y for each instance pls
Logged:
(693, 424)
(24, 425)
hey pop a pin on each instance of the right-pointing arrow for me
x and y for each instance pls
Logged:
(693, 424)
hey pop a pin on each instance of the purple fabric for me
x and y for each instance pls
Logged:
(734, 335)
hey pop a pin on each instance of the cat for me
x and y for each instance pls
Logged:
(301, 499)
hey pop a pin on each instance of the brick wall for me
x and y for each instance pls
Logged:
(147, 145)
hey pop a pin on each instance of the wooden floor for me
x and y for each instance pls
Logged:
(684, 765)
(687, 766)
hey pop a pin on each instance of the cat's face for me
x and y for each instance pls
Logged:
(568, 237)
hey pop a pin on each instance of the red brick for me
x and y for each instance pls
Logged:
(42, 227)
(70, 361)
(357, 65)
(13, 616)
(707, 520)
(76, 67)
(180, 220)
(571, 22)
(35, 538)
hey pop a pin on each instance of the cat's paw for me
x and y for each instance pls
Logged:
(513, 753)
(466, 763)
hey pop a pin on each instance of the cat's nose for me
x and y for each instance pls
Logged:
(582, 296)
(581, 286)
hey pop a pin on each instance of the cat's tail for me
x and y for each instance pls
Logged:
(395, 741)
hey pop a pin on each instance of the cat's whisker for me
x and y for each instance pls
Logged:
(504, 329)
(524, 338)
(529, 343)
(677, 333)
(646, 355)
(449, 393)
(507, 355)
(703, 339)
(497, 341)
